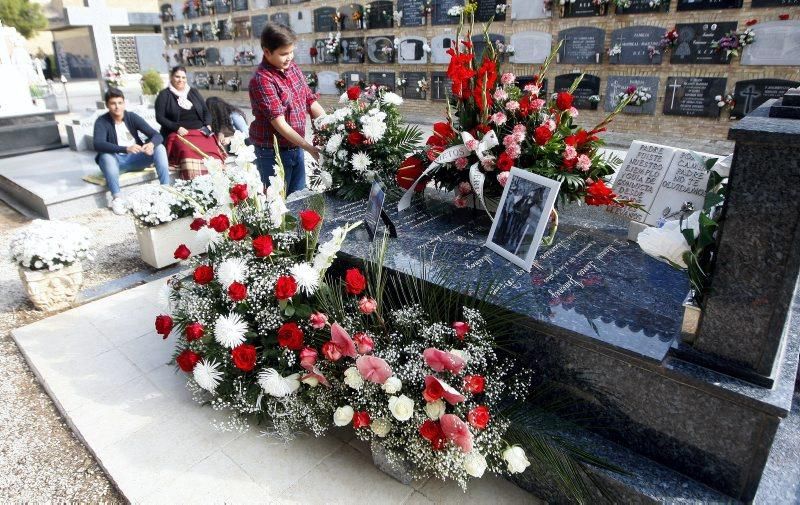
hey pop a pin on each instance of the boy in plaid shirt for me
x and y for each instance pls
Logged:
(280, 98)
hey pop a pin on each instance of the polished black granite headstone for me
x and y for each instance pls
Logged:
(582, 45)
(697, 5)
(409, 90)
(750, 94)
(695, 43)
(583, 8)
(379, 15)
(258, 23)
(487, 9)
(281, 18)
(588, 87)
(635, 43)
(382, 79)
(439, 15)
(352, 50)
(693, 96)
(413, 12)
(440, 86)
(643, 7)
(348, 11)
(775, 3)
(323, 19)
(240, 5)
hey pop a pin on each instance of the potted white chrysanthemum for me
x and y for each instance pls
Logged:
(49, 255)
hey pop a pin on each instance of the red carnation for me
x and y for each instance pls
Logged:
(598, 193)
(219, 223)
(182, 252)
(353, 92)
(504, 162)
(291, 336)
(163, 325)
(187, 360)
(238, 193)
(564, 100)
(237, 291)
(479, 417)
(309, 219)
(361, 419)
(542, 135)
(203, 274)
(356, 138)
(355, 282)
(569, 164)
(285, 288)
(197, 223)
(244, 357)
(483, 128)
(409, 171)
(262, 245)
(238, 231)
(474, 384)
(194, 331)
(433, 391)
(331, 351)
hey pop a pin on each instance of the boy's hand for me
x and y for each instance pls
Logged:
(148, 148)
(134, 149)
(314, 152)
(182, 131)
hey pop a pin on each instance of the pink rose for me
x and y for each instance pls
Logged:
(342, 340)
(500, 95)
(502, 178)
(499, 118)
(537, 104)
(367, 305)
(461, 163)
(373, 369)
(472, 144)
(364, 343)
(457, 431)
(508, 78)
(461, 328)
(465, 188)
(570, 153)
(584, 163)
(308, 357)
(450, 395)
(512, 105)
(440, 361)
(318, 320)
(459, 202)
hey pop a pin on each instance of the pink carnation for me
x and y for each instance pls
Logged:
(509, 140)
(459, 202)
(573, 112)
(500, 95)
(570, 153)
(512, 105)
(513, 151)
(472, 144)
(551, 125)
(465, 188)
(537, 104)
(461, 163)
(584, 162)
(532, 89)
(502, 178)
(519, 133)
(508, 78)
(499, 118)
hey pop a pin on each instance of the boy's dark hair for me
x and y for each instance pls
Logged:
(274, 36)
(113, 93)
(176, 69)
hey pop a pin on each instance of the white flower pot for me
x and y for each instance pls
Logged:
(52, 290)
(158, 243)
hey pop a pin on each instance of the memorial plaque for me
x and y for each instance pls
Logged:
(635, 43)
(222, 6)
(213, 56)
(694, 43)
(529, 9)
(524, 80)
(760, 3)
(413, 12)
(382, 79)
(439, 46)
(619, 84)
(583, 8)
(226, 55)
(225, 30)
(327, 83)
(702, 5)
(487, 9)
(409, 91)
(207, 33)
(439, 15)
(353, 78)
(582, 45)
(323, 19)
(643, 7)
(258, 23)
(378, 49)
(277, 3)
(301, 22)
(440, 86)
(777, 43)
(302, 55)
(411, 51)
(352, 17)
(240, 5)
(352, 50)
(750, 94)
(233, 82)
(324, 56)
(281, 18)
(685, 180)
(588, 87)
(640, 176)
(479, 43)
(693, 96)
(531, 47)
(379, 15)
(200, 80)
(196, 35)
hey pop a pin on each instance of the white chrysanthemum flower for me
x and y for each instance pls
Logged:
(361, 161)
(245, 156)
(392, 98)
(341, 114)
(326, 179)
(374, 127)
(353, 379)
(275, 385)
(333, 143)
(205, 238)
(231, 270)
(230, 330)
(207, 375)
(306, 276)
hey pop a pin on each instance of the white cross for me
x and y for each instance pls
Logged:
(674, 87)
(99, 18)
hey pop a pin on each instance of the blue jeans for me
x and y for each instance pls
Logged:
(239, 123)
(114, 164)
(294, 167)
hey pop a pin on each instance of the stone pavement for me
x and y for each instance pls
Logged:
(106, 371)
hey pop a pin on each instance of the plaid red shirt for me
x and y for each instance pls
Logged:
(274, 93)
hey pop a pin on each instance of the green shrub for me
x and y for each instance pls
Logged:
(151, 82)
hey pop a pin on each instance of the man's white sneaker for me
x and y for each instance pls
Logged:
(118, 206)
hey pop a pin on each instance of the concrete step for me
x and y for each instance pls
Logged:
(28, 134)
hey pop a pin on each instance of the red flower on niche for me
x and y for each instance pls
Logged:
(409, 171)
(238, 232)
(291, 336)
(244, 357)
(163, 325)
(238, 193)
(187, 360)
(564, 100)
(751, 22)
(203, 274)
(479, 417)
(285, 288)
(504, 162)
(356, 138)
(542, 135)
(237, 291)
(353, 92)
(355, 282)
(598, 193)
(197, 223)
(262, 246)
(474, 384)
(194, 331)
(361, 419)
(182, 252)
(309, 219)
(219, 223)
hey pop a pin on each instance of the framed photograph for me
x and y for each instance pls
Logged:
(522, 217)
(374, 209)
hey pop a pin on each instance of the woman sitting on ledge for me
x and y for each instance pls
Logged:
(186, 125)
(226, 119)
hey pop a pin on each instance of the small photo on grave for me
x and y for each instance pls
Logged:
(414, 85)
(353, 50)
(216, 80)
(381, 49)
(522, 217)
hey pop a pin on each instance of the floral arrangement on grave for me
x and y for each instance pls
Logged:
(634, 96)
(397, 16)
(214, 29)
(50, 245)
(234, 83)
(333, 44)
(502, 48)
(341, 85)
(669, 40)
(363, 140)
(733, 43)
(622, 4)
(725, 102)
(400, 82)
(313, 81)
(115, 74)
(614, 50)
(493, 125)
(422, 86)
(246, 57)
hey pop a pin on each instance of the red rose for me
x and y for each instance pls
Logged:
(331, 351)
(474, 384)
(291, 336)
(182, 252)
(564, 100)
(461, 328)
(409, 171)
(187, 360)
(238, 232)
(219, 223)
(433, 391)
(430, 430)
(194, 331)
(285, 288)
(353, 92)
(569, 164)
(238, 193)
(163, 325)
(355, 282)
(244, 357)
(203, 274)
(504, 162)
(197, 223)
(361, 419)
(598, 193)
(479, 417)
(262, 245)
(237, 291)
(542, 134)
(356, 138)
(309, 219)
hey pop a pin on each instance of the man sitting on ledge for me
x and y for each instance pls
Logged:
(120, 148)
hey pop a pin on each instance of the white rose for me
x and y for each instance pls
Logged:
(311, 381)
(343, 415)
(392, 385)
(381, 426)
(401, 407)
(435, 410)
(353, 379)
(475, 464)
(516, 459)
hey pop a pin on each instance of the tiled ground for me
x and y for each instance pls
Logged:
(107, 372)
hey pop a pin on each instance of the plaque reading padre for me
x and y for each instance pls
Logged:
(640, 176)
